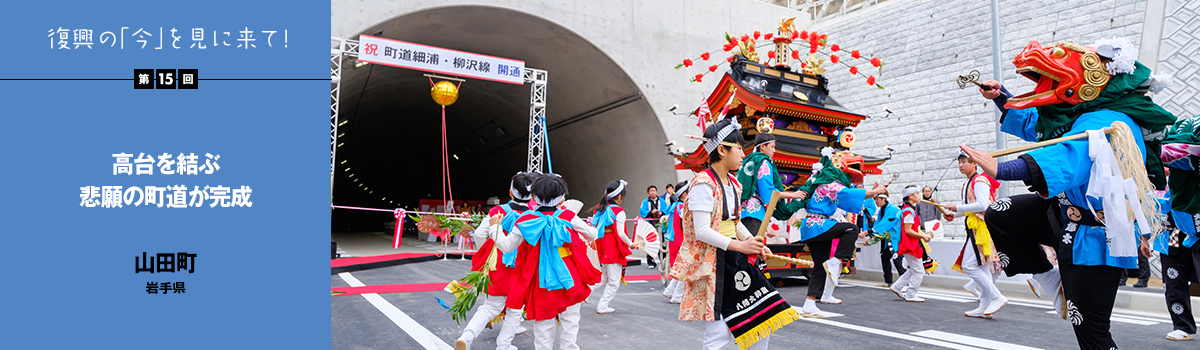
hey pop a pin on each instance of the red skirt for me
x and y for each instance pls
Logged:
(501, 280)
(611, 249)
(539, 303)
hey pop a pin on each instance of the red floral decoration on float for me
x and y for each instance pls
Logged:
(817, 45)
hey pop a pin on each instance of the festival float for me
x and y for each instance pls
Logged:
(788, 97)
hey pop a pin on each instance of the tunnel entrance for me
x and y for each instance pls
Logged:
(600, 127)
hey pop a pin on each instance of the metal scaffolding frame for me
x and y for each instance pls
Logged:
(537, 118)
(341, 49)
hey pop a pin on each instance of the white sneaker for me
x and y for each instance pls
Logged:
(521, 330)
(818, 314)
(911, 296)
(1046, 283)
(899, 292)
(676, 301)
(970, 288)
(463, 343)
(607, 310)
(1179, 335)
(1060, 303)
(829, 299)
(1036, 288)
(977, 313)
(833, 269)
(995, 305)
(811, 310)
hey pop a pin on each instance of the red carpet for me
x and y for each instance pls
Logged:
(392, 288)
(377, 258)
(429, 287)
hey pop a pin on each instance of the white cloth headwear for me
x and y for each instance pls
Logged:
(764, 143)
(909, 190)
(712, 143)
(620, 188)
(517, 194)
(553, 202)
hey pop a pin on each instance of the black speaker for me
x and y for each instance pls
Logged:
(333, 250)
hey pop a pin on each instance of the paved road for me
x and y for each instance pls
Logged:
(872, 318)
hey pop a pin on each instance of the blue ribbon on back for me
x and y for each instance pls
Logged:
(603, 219)
(507, 223)
(552, 232)
(670, 230)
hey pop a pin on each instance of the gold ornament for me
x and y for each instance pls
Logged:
(786, 27)
(846, 139)
(813, 65)
(444, 93)
(765, 125)
(1095, 76)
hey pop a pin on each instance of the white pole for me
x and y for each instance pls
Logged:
(1000, 144)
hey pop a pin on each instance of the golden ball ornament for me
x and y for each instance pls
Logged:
(444, 93)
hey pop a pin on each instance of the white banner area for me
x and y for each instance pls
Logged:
(435, 59)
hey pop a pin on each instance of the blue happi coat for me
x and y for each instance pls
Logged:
(826, 200)
(1066, 168)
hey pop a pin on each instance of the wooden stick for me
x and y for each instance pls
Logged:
(1008, 151)
(794, 261)
(939, 206)
(762, 228)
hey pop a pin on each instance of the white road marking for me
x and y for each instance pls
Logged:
(968, 340)
(1124, 318)
(908, 337)
(946, 297)
(419, 333)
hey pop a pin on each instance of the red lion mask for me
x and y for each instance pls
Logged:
(1065, 73)
(849, 163)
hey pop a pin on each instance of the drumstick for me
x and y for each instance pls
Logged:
(794, 261)
(762, 228)
(939, 205)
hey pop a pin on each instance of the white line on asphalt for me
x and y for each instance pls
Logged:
(1126, 318)
(946, 297)
(1123, 318)
(888, 333)
(963, 339)
(419, 333)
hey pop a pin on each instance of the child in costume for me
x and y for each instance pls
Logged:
(653, 208)
(830, 188)
(720, 285)
(759, 178)
(911, 247)
(1180, 256)
(504, 217)
(613, 244)
(552, 271)
(673, 233)
(1176, 245)
(977, 257)
(887, 228)
(1079, 89)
